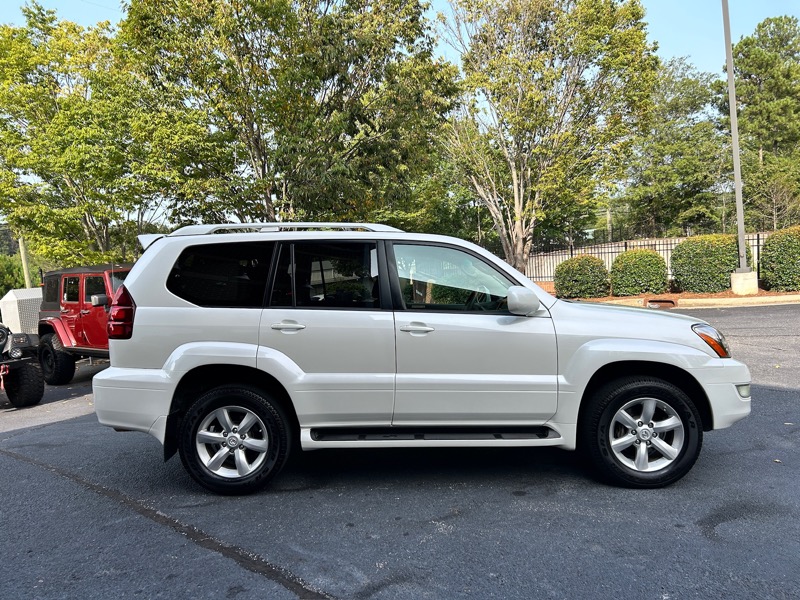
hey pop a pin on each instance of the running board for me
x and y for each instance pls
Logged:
(441, 437)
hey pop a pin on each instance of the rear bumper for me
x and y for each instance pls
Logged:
(133, 399)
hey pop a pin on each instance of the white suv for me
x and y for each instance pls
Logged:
(233, 348)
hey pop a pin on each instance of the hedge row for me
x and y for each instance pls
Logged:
(699, 264)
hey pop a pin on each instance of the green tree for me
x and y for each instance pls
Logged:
(678, 159)
(11, 276)
(555, 88)
(329, 106)
(87, 150)
(767, 72)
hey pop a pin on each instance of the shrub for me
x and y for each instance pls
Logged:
(704, 263)
(638, 272)
(780, 260)
(582, 276)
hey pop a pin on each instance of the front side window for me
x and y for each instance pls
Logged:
(93, 285)
(447, 279)
(327, 275)
(230, 274)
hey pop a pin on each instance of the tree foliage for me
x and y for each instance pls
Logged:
(86, 151)
(330, 106)
(678, 159)
(555, 89)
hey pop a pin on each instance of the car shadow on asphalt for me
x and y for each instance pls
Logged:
(440, 466)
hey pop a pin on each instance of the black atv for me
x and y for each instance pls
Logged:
(19, 368)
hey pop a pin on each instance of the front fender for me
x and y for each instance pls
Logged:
(594, 355)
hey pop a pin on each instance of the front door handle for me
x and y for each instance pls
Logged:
(287, 326)
(85, 312)
(414, 328)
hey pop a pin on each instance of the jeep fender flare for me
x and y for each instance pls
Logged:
(56, 326)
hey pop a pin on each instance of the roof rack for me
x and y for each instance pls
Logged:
(267, 227)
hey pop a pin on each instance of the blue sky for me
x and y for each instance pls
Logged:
(691, 28)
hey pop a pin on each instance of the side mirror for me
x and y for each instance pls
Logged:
(99, 300)
(522, 301)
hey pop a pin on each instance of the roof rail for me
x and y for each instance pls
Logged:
(275, 226)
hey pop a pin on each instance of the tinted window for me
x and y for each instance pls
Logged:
(327, 275)
(233, 275)
(71, 292)
(50, 294)
(93, 285)
(438, 278)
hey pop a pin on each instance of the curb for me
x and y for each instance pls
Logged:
(709, 302)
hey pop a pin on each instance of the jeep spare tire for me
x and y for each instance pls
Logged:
(24, 385)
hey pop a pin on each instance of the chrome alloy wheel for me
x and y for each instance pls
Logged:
(646, 435)
(232, 442)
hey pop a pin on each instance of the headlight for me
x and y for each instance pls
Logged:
(713, 338)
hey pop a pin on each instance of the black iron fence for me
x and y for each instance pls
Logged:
(542, 265)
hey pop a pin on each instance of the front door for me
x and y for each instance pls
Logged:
(462, 358)
(328, 317)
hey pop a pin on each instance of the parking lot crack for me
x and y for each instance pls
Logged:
(244, 558)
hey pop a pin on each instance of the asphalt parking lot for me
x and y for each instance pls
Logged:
(91, 513)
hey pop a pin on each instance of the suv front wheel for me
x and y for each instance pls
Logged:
(58, 366)
(234, 440)
(642, 432)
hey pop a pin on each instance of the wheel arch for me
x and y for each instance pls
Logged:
(206, 377)
(670, 373)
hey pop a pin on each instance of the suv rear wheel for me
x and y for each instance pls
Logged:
(234, 440)
(642, 432)
(58, 366)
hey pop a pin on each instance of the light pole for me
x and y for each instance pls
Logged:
(743, 281)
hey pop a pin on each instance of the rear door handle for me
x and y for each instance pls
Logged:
(287, 326)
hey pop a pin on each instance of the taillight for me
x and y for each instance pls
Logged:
(120, 318)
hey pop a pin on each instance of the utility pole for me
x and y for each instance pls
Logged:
(744, 281)
(25, 269)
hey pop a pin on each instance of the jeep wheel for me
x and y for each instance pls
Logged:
(234, 440)
(24, 385)
(58, 366)
(642, 432)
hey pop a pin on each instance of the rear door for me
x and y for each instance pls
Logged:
(329, 315)
(71, 305)
(94, 318)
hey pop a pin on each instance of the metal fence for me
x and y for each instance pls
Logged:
(542, 265)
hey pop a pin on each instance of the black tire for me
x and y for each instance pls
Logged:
(24, 385)
(247, 459)
(58, 366)
(648, 454)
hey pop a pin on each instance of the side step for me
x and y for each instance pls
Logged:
(399, 437)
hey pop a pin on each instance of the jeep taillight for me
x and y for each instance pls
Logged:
(120, 318)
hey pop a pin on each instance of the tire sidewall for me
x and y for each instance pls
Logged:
(270, 414)
(616, 397)
(25, 385)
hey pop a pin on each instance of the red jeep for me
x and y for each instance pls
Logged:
(73, 317)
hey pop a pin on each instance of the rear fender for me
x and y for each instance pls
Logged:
(57, 327)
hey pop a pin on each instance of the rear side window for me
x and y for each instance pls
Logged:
(229, 275)
(71, 291)
(327, 275)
